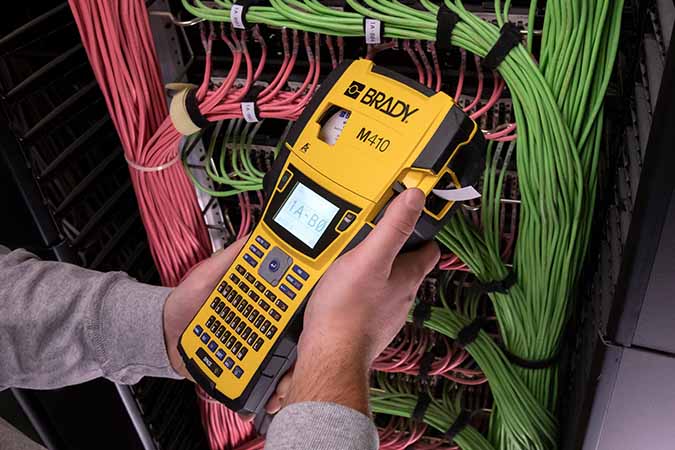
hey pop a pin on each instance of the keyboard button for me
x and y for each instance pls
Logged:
(295, 283)
(206, 338)
(258, 344)
(270, 333)
(236, 301)
(220, 331)
(215, 326)
(235, 322)
(274, 266)
(236, 347)
(258, 322)
(220, 307)
(225, 336)
(238, 372)
(253, 295)
(262, 242)
(264, 305)
(246, 332)
(210, 321)
(242, 305)
(220, 354)
(198, 330)
(282, 306)
(229, 363)
(287, 291)
(231, 296)
(214, 303)
(301, 273)
(248, 310)
(249, 259)
(244, 287)
(269, 294)
(259, 286)
(241, 269)
(265, 326)
(253, 315)
(240, 327)
(251, 339)
(230, 342)
(224, 288)
(235, 279)
(250, 278)
(256, 251)
(229, 317)
(275, 315)
(213, 345)
(224, 312)
(242, 353)
(209, 362)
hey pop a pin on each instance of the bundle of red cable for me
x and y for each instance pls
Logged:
(116, 35)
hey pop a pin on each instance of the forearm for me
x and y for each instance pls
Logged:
(61, 325)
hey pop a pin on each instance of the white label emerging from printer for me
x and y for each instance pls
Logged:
(237, 16)
(248, 111)
(457, 195)
(373, 31)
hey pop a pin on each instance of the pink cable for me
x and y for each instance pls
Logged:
(437, 67)
(462, 70)
(425, 63)
(479, 89)
(416, 62)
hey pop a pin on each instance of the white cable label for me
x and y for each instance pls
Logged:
(248, 111)
(457, 195)
(373, 31)
(237, 16)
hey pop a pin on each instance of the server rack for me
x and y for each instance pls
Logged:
(624, 323)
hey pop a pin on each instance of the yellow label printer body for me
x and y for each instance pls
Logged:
(367, 134)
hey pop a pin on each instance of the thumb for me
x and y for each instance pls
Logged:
(385, 241)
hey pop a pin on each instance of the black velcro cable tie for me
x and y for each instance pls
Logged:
(421, 313)
(531, 364)
(509, 38)
(425, 366)
(469, 333)
(346, 7)
(445, 23)
(423, 402)
(192, 108)
(500, 286)
(458, 425)
(238, 12)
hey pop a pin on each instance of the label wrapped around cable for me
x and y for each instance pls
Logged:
(238, 13)
(373, 30)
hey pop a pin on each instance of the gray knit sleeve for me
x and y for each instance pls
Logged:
(321, 426)
(61, 324)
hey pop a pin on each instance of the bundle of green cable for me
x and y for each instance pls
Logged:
(400, 400)
(558, 110)
(234, 154)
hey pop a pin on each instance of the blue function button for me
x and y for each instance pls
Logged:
(220, 354)
(299, 272)
(229, 363)
(262, 242)
(287, 291)
(295, 283)
(273, 265)
(256, 251)
(238, 372)
(198, 330)
(249, 259)
(206, 338)
(213, 345)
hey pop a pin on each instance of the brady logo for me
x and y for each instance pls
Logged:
(381, 101)
(355, 89)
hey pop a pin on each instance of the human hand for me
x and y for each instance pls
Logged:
(358, 306)
(184, 301)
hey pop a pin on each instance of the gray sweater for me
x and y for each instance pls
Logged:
(86, 324)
